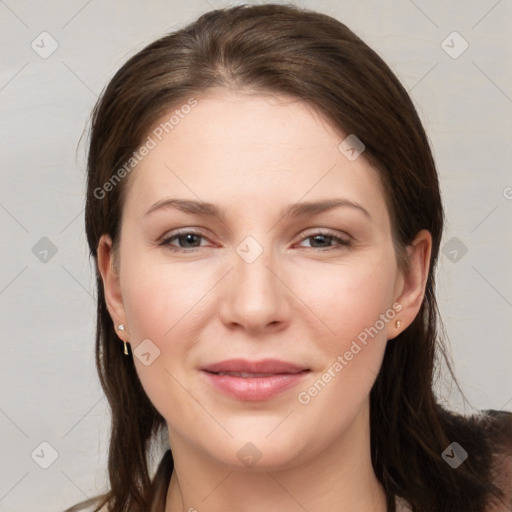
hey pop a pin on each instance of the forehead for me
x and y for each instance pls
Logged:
(249, 149)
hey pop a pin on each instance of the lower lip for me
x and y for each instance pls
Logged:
(254, 388)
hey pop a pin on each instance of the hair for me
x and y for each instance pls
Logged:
(285, 50)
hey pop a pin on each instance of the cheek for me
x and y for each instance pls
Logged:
(357, 307)
(348, 301)
(156, 303)
(160, 300)
(165, 305)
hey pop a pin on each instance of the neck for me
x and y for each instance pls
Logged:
(339, 479)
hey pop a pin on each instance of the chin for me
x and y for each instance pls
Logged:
(261, 451)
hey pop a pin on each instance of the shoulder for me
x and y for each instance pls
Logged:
(503, 480)
(500, 419)
(498, 425)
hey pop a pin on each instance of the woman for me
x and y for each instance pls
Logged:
(285, 375)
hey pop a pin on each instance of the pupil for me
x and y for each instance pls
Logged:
(190, 238)
(321, 237)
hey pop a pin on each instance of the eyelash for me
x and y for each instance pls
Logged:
(342, 242)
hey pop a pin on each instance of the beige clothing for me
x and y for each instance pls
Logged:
(402, 505)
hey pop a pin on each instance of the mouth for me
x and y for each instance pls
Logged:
(253, 380)
(246, 374)
(263, 367)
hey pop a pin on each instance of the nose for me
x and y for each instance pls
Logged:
(254, 296)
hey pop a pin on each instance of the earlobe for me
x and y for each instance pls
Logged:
(415, 280)
(111, 283)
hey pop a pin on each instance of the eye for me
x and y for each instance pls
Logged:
(184, 237)
(324, 237)
(189, 240)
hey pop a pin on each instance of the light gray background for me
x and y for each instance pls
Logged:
(50, 391)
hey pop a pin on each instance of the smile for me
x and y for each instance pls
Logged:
(253, 386)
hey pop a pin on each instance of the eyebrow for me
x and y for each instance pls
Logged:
(294, 210)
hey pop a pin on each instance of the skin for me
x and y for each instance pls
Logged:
(253, 155)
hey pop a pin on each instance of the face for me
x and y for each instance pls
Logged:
(256, 324)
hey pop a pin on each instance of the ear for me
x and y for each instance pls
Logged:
(111, 285)
(410, 286)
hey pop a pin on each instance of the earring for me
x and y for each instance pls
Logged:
(398, 324)
(121, 328)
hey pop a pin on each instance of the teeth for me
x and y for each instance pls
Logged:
(244, 374)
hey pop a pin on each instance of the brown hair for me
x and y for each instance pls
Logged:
(311, 56)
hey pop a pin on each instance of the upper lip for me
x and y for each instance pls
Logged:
(274, 366)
